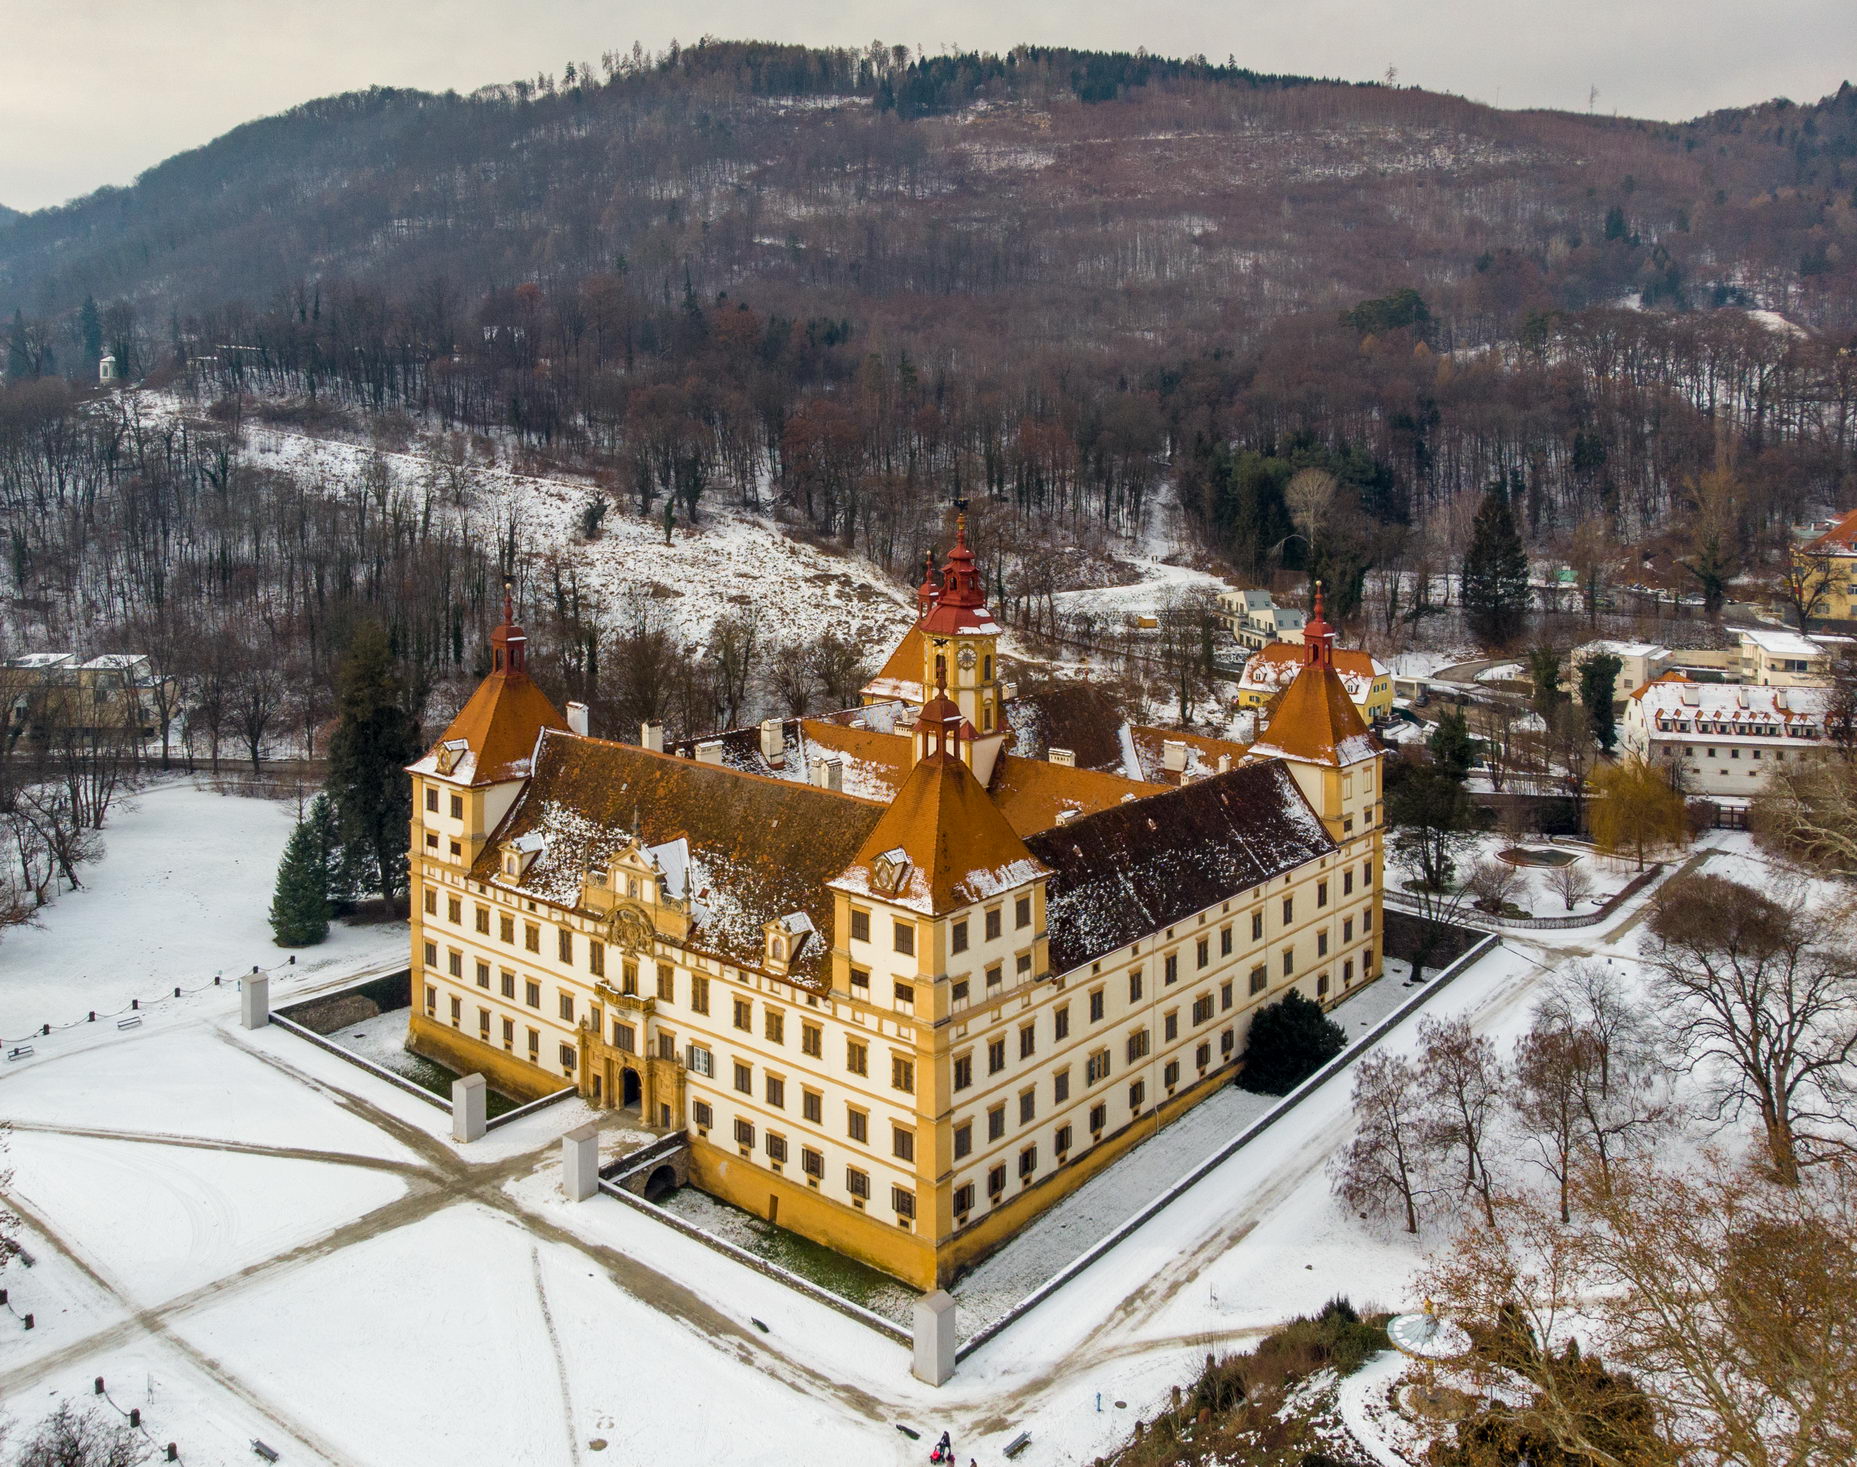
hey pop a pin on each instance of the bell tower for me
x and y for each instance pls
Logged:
(960, 649)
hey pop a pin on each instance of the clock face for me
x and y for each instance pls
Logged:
(967, 658)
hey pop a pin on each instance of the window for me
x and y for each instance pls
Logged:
(509, 1033)
(857, 1057)
(812, 1106)
(699, 993)
(1060, 1085)
(454, 911)
(963, 1071)
(1137, 1095)
(1062, 1141)
(1022, 912)
(1225, 941)
(432, 801)
(857, 1183)
(1347, 882)
(812, 1040)
(532, 994)
(1096, 1067)
(567, 1056)
(957, 993)
(744, 1135)
(1028, 1040)
(1204, 952)
(1134, 985)
(994, 923)
(996, 1122)
(567, 1007)
(1023, 964)
(1202, 1056)
(535, 1045)
(964, 1197)
(1321, 893)
(860, 925)
(431, 954)
(1257, 925)
(564, 945)
(506, 928)
(774, 1025)
(1028, 1107)
(996, 1055)
(454, 963)
(1028, 1162)
(963, 1139)
(1170, 1027)
(903, 1201)
(957, 936)
(1227, 1041)
(457, 1011)
(860, 983)
(1367, 920)
(902, 1143)
(776, 1148)
(482, 915)
(1137, 1045)
(1096, 1006)
(905, 995)
(1289, 910)
(1321, 985)
(596, 957)
(1202, 1008)
(1170, 1073)
(1321, 944)
(744, 1078)
(744, 1016)
(1060, 1023)
(532, 936)
(625, 1038)
(857, 1124)
(506, 980)
(699, 1060)
(995, 975)
(1172, 969)
(996, 1180)
(902, 1074)
(905, 938)
(775, 1089)
(812, 1162)
(1225, 994)
(1099, 1116)
(667, 983)
(1347, 929)
(1289, 961)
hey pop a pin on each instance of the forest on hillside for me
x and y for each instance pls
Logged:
(847, 287)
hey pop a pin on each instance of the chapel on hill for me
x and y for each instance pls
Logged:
(904, 974)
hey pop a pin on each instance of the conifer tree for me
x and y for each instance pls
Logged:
(373, 742)
(343, 875)
(1290, 1040)
(1453, 751)
(90, 327)
(1598, 681)
(1495, 589)
(300, 905)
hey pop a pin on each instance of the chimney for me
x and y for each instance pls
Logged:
(577, 718)
(829, 773)
(1066, 815)
(1173, 756)
(1066, 757)
(1225, 763)
(651, 736)
(773, 741)
(709, 751)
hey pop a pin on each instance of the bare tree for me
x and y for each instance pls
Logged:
(1572, 883)
(1760, 991)
(838, 666)
(82, 1438)
(1463, 1083)
(1550, 1061)
(1385, 1169)
(67, 840)
(735, 660)
(1492, 882)
(1806, 811)
(791, 682)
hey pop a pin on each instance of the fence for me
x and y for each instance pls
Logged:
(1230, 1149)
(1579, 919)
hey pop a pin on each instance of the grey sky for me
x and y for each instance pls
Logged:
(93, 91)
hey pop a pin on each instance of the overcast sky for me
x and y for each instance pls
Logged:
(94, 91)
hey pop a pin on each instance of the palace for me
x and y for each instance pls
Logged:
(900, 983)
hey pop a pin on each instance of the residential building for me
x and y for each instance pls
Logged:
(1256, 620)
(1827, 563)
(900, 987)
(1720, 740)
(116, 695)
(1269, 671)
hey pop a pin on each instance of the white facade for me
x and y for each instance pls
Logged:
(1722, 739)
(1256, 620)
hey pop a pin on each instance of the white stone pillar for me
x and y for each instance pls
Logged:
(580, 1162)
(934, 1357)
(468, 1097)
(254, 1000)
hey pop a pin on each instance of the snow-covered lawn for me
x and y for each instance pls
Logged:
(181, 894)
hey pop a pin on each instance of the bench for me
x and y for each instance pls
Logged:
(19, 1051)
(1018, 1444)
(268, 1453)
(134, 1021)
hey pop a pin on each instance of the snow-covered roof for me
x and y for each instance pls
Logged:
(42, 659)
(1677, 708)
(1781, 642)
(1619, 649)
(1273, 668)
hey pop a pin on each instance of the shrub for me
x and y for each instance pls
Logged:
(1290, 1040)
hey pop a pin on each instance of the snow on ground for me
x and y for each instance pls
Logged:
(180, 895)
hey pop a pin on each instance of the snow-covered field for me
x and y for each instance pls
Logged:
(180, 895)
(249, 1238)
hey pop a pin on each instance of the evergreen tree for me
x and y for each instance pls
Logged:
(1290, 1040)
(300, 904)
(1453, 751)
(1598, 681)
(343, 874)
(90, 327)
(1544, 668)
(1495, 591)
(18, 355)
(373, 742)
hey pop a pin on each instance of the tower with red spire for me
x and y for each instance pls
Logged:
(1318, 637)
(960, 651)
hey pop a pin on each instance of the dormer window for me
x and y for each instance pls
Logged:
(890, 870)
(449, 753)
(512, 864)
(786, 939)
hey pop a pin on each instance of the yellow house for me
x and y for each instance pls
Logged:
(900, 988)
(1827, 568)
(1268, 671)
